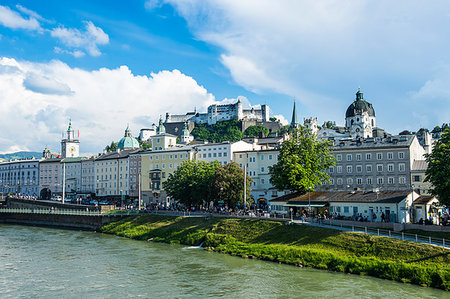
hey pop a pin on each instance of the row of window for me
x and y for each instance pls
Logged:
(369, 181)
(359, 168)
(379, 156)
(173, 156)
(261, 157)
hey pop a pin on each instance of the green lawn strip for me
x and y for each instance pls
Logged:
(303, 245)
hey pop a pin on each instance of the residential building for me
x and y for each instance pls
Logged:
(20, 177)
(88, 178)
(134, 174)
(50, 175)
(374, 163)
(418, 183)
(222, 152)
(72, 175)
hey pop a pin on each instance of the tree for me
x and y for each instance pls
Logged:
(112, 147)
(273, 119)
(254, 131)
(144, 145)
(438, 171)
(227, 185)
(302, 162)
(189, 184)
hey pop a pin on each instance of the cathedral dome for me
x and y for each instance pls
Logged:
(128, 141)
(359, 106)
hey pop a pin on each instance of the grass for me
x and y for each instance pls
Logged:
(437, 235)
(303, 245)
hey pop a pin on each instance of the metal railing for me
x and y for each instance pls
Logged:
(50, 211)
(442, 242)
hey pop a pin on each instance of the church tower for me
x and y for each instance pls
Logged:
(294, 120)
(70, 147)
(360, 117)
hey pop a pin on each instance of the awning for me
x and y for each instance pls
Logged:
(305, 205)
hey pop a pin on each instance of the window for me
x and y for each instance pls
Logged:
(331, 182)
(379, 167)
(262, 157)
(240, 156)
(270, 157)
(358, 168)
(390, 167)
(349, 157)
(209, 155)
(349, 169)
(170, 165)
(401, 155)
(225, 154)
(359, 181)
(339, 169)
(401, 167)
(346, 209)
(220, 155)
(391, 180)
(214, 155)
(262, 169)
(204, 155)
(368, 168)
(339, 181)
(331, 169)
(390, 155)
(349, 181)
(358, 157)
(379, 156)
(262, 181)
(368, 156)
(380, 180)
(417, 178)
(369, 181)
(402, 180)
(339, 157)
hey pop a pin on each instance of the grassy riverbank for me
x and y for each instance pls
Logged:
(298, 245)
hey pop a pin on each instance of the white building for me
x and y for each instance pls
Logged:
(88, 175)
(71, 174)
(222, 152)
(50, 175)
(217, 113)
(20, 177)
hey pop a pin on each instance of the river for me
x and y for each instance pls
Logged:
(51, 263)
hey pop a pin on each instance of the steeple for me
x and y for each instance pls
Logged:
(160, 129)
(70, 133)
(294, 121)
(359, 95)
(128, 131)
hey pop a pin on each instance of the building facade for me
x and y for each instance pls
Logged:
(88, 176)
(20, 177)
(50, 175)
(70, 147)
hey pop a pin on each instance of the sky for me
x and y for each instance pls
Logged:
(107, 64)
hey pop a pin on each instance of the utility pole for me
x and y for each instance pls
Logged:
(245, 188)
(64, 183)
(139, 190)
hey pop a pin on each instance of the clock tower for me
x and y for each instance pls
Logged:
(70, 147)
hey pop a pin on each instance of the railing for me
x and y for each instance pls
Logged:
(445, 243)
(50, 211)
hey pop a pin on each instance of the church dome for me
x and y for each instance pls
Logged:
(359, 106)
(128, 141)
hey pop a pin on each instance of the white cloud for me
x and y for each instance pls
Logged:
(152, 4)
(14, 20)
(100, 102)
(282, 119)
(30, 13)
(88, 40)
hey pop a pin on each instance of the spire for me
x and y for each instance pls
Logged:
(160, 129)
(128, 131)
(70, 125)
(359, 94)
(294, 120)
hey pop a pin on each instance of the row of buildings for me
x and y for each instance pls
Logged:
(367, 160)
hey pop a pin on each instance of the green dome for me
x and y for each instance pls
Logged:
(128, 141)
(359, 105)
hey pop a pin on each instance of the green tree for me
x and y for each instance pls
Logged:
(219, 132)
(227, 185)
(189, 184)
(273, 119)
(438, 171)
(144, 145)
(253, 131)
(112, 147)
(302, 162)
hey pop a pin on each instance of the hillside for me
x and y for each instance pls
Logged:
(21, 155)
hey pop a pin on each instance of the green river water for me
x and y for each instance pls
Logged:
(51, 263)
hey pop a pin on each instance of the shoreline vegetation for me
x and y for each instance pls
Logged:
(298, 245)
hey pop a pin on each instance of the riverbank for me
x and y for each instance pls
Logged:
(299, 245)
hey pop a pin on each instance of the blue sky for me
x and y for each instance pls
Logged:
(109, 63)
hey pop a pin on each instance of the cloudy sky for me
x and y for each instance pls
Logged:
(108, 63)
